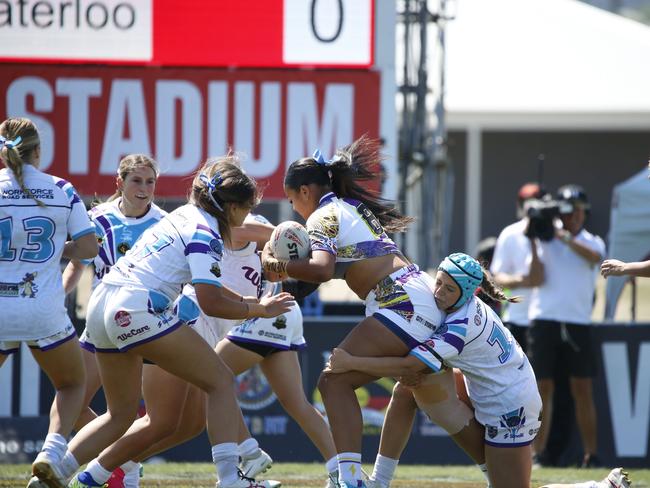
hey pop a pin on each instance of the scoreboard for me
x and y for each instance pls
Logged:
(224, 33)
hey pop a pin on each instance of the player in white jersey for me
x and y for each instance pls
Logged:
(131, 317)
(271, 343)
(348, 225)
(37, 214)
(500, 381)
(119, 222)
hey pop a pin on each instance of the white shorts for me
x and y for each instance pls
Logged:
(514, 427)
(264, 336)
(403, 302)
(121, 317)
(65, 334)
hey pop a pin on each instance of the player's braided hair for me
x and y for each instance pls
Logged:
(15, 154)
(355, 163)
(491, 289)
(219, 182)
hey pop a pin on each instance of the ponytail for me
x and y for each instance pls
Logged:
(18, 140)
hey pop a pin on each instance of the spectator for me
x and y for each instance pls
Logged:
(516, 265)
(560, 313)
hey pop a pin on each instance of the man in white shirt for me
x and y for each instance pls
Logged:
(516, 265)
(560, 313)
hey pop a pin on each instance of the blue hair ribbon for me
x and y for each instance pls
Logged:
(9, 143)
(212, 184)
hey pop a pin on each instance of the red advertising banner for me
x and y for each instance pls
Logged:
(89, 117)
(216, 33)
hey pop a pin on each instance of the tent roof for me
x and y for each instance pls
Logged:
(545, 57)
(629, 235)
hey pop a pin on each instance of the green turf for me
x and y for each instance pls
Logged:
(293, 475)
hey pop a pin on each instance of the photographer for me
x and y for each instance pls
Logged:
(516, 265)
(560, 311)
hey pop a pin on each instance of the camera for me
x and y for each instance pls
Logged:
(541, 213)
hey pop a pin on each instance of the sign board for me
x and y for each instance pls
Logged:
(217, 33)
(89, 117)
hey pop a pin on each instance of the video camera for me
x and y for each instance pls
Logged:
(541, 213)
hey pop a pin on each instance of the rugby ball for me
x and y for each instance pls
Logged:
(289, 240)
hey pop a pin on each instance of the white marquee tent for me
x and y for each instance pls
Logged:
(540, 64)
(629, 235)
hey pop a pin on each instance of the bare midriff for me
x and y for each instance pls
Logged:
(363, 275)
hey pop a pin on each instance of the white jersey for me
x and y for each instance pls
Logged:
(241, 272)
(31, 244)
(498, 375)
(116, 233)
(347, 229)
(513, 255)
(184, 247)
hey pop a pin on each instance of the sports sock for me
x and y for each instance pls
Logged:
(349, 467)
(249, 448)
(98, 473)
(332, 465)
(384, 470)
(225, 460)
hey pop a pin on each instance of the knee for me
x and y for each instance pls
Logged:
(222, 381)
(581, 389)
(402, 395)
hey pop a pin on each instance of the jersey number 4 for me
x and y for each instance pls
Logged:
(39, 247)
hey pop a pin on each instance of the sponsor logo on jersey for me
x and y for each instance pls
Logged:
(122, 318)
(421, 320)
(216, 246)
(215, 269)
(133, 333)
(280, 322)
(25, 288)
(491, 430)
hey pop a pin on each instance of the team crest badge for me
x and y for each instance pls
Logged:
(491, 430)
(123, 247)
(513, 422)
(215, 269)
(280, 322)
(122, 318)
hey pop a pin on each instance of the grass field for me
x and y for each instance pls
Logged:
(191, 475)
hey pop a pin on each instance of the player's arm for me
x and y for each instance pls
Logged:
(614, 267)
(317, 268)
(72, 274)
(214, 301)
(84, 247)
(253, 231)
(342, 361)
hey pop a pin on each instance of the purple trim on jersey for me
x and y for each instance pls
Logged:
(274, 345)
(55, 344)
(206, 228)
(411, 271)
(298, 347)
(454, 341)
(109, 351)
(7, 352)
(61, 183)
(87, 346)
(397, 330)
(325, 199)
(149, 339)
(514, 444)
(458, 321)
(108, 235)
(317, 246)
(199, 248)
(104, 257)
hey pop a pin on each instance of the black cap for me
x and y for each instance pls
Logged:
(573, 194)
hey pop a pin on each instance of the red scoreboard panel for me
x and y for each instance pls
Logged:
(219, 33)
